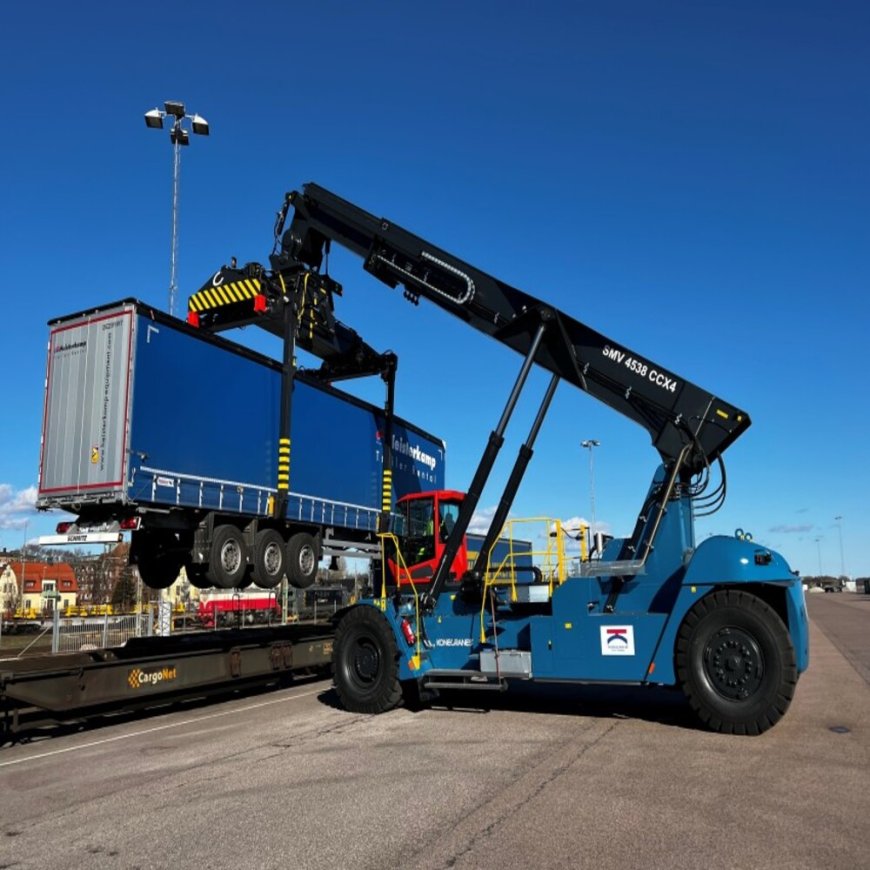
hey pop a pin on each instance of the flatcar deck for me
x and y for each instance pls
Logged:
(148, 671)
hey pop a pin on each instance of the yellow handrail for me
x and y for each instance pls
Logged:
(550, 560)
(401, 565)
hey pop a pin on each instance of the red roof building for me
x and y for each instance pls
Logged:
(44, 585)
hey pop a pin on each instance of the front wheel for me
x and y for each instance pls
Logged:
(736, 663)
(366, 662)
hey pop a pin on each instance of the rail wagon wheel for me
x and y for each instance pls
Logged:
(365, 662)
(736, 663)
(228, 557)
(302, 559)
(268, 558)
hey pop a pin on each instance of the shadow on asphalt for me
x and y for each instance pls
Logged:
(645, 703)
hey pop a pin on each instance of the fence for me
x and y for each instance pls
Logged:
(72, 635)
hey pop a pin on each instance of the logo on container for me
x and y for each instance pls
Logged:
(400, 445)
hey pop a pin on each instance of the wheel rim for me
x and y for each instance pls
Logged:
(307, 562)
(272, 559)
(734, 664)
(365, 662)
(231, 556)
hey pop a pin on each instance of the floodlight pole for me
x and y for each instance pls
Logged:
(589, 445)
(173, 250)
(178, 135)
(839, 522)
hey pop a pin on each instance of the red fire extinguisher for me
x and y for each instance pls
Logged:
(408, 632)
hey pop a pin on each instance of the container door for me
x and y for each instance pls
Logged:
(84, 437)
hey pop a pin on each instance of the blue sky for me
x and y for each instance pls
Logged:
(690, 179)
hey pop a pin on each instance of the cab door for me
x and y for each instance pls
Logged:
(428, 520)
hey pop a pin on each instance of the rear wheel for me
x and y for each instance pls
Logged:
(302, 559)
(736, 663)
(159, 556)
(228, 557)
(267, 558)
(366, 662)
(197, 576)
(159, 570)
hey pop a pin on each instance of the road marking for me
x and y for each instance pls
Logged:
(145, 731)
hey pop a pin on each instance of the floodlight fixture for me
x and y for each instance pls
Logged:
(199, 125)
(179, 136)
(154, 119)
(173, 107)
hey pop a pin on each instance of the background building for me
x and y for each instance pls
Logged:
(42, 586)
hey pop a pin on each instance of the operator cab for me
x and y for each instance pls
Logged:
(429, 518)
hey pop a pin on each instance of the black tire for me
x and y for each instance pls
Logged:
(197, 576)
(159, 570)
(159, 556)
(267, 559)
(366, 662)
(302, 559)
(247, 580)
(735, 663)
(228, 557)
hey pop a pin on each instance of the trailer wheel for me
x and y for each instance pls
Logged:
(159, 570)
(365, 662)
(197, 576)
(736, 663)
(228, 557)
(302, 559)
(267, 559)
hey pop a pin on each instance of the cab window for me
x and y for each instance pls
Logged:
(419, 530)
(448, 513)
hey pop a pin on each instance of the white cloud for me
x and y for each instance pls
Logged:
(16, 506)
(480, 520)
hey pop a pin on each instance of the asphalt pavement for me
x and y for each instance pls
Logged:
(581, 778)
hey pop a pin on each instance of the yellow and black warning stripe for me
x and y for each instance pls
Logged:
(283, 464)
(387, 493)
(224, 294)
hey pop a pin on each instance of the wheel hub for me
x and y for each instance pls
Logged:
(230, 556)
(272, 559)
(734, 663)
(366, 661)
(306, 560)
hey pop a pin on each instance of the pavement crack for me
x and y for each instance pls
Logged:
(525, 797)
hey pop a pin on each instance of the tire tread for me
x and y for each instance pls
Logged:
(746, 603)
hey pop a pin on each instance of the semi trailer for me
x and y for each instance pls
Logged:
(167, 432)
(723, 619)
